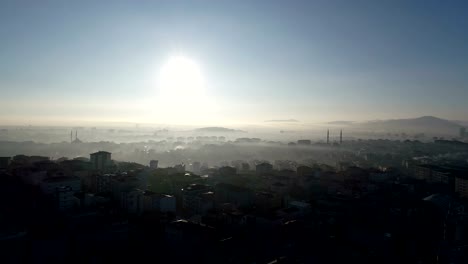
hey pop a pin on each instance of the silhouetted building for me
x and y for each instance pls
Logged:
(461, 185)
(154, 164)
(31, 176)
(76, 141)
(124, 183)
(179, 168)
(159, 202)
(303, 171)
(227, 171)
(64, 198)
(132, 201)
(196, 167)
(265, 201)
(100, 160)
(263, 168)
(188, 235)
(104, 183)
(50, 185)
(432, 173)
(24, 160)
(462, 132)
(304, 142)
(228, 193)
(5, 162)
(197, 199)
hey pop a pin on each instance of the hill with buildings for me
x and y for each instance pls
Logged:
(425, 124)
(282, 121)
(218, 130)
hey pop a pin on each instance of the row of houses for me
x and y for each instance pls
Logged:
(455, 178)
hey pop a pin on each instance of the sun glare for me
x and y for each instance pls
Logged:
(181, 78)
(182, 93)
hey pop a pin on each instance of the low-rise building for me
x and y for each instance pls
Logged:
(182, 232)
(432, 173)
(124, 183)
(159, 202)
(64, 198)
(378, 176)
(49, 186)
(104, 183)
(197, 199)
(229, 193)
(461, 185)
(227, 171)
(31, 176)
(263, 168)
(304, 142)
(132, 201)
(265, 201)
(5, 162)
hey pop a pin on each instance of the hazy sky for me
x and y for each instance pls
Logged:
(71, 61)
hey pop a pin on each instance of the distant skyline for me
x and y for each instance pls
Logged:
(65, 62)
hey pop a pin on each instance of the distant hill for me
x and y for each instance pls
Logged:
(425, 124)
(461, 122)
(341, 123)
(218, 130)
(282, 120)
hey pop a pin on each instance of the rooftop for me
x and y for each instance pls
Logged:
(61, 179)
(266, 194)
(231, 187)
(159, 195)
(196, 187)
(100, 152)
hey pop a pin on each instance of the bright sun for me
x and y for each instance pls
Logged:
(183, 94)
(181, 78)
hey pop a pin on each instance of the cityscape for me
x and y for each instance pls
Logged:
(238, 201)
(234, 132)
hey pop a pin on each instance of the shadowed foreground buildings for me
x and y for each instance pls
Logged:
(4, 162)
(282, 211)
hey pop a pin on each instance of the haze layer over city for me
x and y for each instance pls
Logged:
(234, 131)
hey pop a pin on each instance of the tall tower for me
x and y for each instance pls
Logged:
(328, 136)
(100, 160)
(341, 136)
(71, 136)
(76, 134)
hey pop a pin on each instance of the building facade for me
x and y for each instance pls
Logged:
(100, 160)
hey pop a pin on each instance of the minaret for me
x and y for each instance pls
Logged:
(71, 136)
(341, 136)
(328, 136)
(76, 134)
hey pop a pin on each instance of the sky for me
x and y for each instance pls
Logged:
(64, 62)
